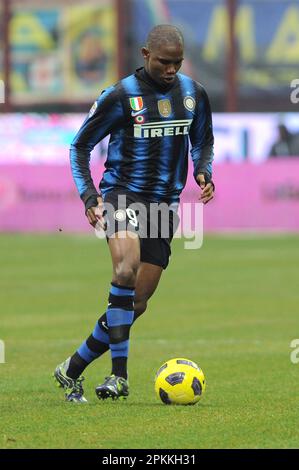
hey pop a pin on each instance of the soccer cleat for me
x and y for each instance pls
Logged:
(114, 387)
(72, 387)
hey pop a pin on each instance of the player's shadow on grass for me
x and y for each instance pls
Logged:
(124, 404)
(151, 405)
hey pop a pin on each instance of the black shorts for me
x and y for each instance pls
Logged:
(154, 223)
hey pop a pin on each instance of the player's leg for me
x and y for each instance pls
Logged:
(116, 385)
(125, 254)
(148, 278)
(154, 258)
(69, 372)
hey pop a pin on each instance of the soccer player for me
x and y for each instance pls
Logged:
(150, 116)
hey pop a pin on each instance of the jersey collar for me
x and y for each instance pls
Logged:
(142, 74)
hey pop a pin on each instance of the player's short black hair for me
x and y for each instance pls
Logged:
(164, 34)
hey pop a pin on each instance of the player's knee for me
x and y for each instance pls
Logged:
(140, 307)
(125, 274)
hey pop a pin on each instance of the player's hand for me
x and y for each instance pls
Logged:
(95, 215)
(207, 189)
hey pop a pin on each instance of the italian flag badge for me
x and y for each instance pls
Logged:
(136, 103)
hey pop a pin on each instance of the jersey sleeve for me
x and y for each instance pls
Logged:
(202, 138)
(105, 115)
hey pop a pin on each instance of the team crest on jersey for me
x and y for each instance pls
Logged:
(136, 103)
(189, 103)
(93, 109)
(164, 107)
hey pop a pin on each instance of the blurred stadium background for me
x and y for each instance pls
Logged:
(56, 57)
(242, 310)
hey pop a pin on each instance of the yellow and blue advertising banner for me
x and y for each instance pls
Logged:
(62, 51)
(266, 35)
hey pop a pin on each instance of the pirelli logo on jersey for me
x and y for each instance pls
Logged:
(162, 128)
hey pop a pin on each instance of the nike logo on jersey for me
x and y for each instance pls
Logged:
(105, 326)
(136, 113)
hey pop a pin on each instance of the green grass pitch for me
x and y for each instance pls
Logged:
(231, 306)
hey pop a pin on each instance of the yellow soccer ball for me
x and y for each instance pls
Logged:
(180, 381)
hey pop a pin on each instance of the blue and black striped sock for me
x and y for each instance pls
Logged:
(120, 315)
(96, 345)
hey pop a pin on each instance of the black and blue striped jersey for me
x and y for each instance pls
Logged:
(149, 129)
